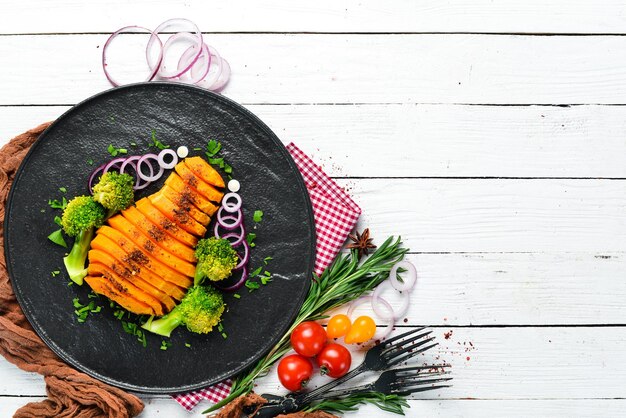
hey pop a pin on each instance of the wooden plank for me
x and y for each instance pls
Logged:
(325, 15)
(432, 140)
(494, 215)
(160, 407)
(504, 363)
(474, 69)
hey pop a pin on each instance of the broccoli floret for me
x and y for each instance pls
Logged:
(80, 218)
(114, 191)
(216, 259)
(200, 310)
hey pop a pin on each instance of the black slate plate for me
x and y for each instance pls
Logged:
(179, 115)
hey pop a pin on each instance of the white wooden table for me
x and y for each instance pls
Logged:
(491, 134)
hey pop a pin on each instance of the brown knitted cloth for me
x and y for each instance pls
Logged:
(70, 393)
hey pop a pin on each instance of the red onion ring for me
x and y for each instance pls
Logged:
(153, 69)
(204, 62)
(236, 286)
(222, 80)
(131, 161)
(230, 226)
(376, 299)
(246, 256)
(239, 238)
(228, 207)
(159, 67)
(152, 177)
(390, 322)
(161, 159)
(114, 163)
(411, 275)
(93, 175)
(219, 78)
(242, 231)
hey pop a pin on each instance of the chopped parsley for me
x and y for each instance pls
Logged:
(236, 295)
(266, 278)
(256, 272)
(83, 311)
(266, 260)
(115, 151)
(57, 238)
(250, 239)
(212, 148)
(56, 204)
(134, 329)
(252, 286)
(155, 142)
(55, 273)
(258, 216)
(165, 345)
(187, 345)
(62, 189)
(90, 161)
(57, 220)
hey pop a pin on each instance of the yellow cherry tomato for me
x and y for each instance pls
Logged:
(338, 326)
(363, 329)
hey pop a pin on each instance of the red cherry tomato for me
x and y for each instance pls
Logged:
(308, 338)
(338, 326)
(294, 372)
(334, 360)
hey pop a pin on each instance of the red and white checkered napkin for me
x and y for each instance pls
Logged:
(335, 215)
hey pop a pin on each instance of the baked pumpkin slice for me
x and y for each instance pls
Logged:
(158, 235)
(125, 287)
(136, 254)
(101, 286)
(205, 171)
(196, 183)
(124, 226)
(144, 206)
(137, 264)
(187, 193)
(185, 204)
(179, 216)
(101, 257)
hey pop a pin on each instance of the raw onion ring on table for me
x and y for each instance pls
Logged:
(159, 66)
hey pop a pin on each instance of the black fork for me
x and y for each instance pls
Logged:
(380, 357)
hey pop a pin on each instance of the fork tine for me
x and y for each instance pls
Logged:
(386, 343)
(429, 367)
(409, 355)
(408, 341)
(421, 379)
(407, 392)
(395, 353)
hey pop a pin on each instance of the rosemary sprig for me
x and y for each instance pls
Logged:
(389, 403)
(345, 280)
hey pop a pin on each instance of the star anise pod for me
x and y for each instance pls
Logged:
(361, 242)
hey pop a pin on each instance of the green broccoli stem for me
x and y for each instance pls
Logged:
(198, 277)
(164, 325)
(75, 260)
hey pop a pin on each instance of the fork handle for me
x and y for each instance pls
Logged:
(305, 398)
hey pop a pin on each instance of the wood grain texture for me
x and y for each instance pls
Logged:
(504, 363)
(277, 68)
(432, 140)
(494, 215)
(533, 16)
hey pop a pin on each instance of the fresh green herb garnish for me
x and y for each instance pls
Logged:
(267, 260)
(187, 345)
(133, 144)
(42, 211)
(56, 204)
(92, 295)
(252, 286)
(90, 161)
(258, 216)
(115, 151)
(224, 335)
(236, 295)
(57, 238)
(119, 313)
(134, 329)
(83, 311)
(256, 272)
(212, 148)
(55, 273)
(156, 143)
(266, 278)
(165, 345)
(62, 189)
(197, 149)
(228, 169)
(250, 239)
(57, 220)
(389, 403)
